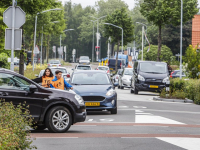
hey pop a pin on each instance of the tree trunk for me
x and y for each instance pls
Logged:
(159, 43)
(47, 49)
(113, 47)
(117, 55)
(21, 57)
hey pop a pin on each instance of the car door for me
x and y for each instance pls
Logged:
(15, 89)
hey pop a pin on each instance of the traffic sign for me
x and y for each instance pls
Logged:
(17, 41)
(74, 52)
(20, 17)
(36, 50)
(54, 49)
(65, 49)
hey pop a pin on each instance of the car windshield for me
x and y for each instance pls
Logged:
(60, 69)
(54, 62)
(102, 68)
(84, 58)
(128, 72)
(83, 68)
(158, 68)
(90, 78)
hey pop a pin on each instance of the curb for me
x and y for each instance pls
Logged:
(173, 100)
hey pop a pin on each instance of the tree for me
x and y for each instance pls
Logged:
(163, 12)
(119, 18)
(192, 59)
(166, 53)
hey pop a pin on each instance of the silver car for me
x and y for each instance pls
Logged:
(84, 60)
(125, 78)
(54, 63)
(83, 67)
(104, 68)
(115, 78)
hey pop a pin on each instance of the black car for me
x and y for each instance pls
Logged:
(97, 90)
(149, 76)
(120, 64)
(55, 109)
(176, 74)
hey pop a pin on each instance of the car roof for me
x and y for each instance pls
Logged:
(92, 71)
(128, 68)
(83, 65)
(57, 67)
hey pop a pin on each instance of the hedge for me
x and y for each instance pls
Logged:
(184, 88)
(14, 127)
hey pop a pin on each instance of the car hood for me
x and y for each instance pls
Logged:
(84, 90)
(153, 75)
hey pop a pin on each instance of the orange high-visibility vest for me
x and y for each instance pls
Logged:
(46, 81)
(59, 84)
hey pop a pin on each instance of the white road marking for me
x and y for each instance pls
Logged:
(186, 143)
(107, 120)
(139, 107)
(122, 106)
(138, 111)
(154, 119)
(90, 119)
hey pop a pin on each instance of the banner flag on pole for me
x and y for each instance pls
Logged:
(147, 41)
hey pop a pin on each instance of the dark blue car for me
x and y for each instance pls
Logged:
(96, 89)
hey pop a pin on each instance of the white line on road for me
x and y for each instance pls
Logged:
(122, 106)
(90, 119)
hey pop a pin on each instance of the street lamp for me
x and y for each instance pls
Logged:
(36, 27)
(61, 37)
(97, 19)
(42, 42)
(93, 41)
(181, 34)
(142, 36)
(119, 28)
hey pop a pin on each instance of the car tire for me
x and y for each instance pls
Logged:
(114, 111)
(56, 126)
(122, 87)
(131, 90)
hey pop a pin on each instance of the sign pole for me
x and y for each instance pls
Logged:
(41, 48)
(13, 36)
(34, 40)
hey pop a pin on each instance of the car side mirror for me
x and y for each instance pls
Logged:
(32, 88)
(36, 75)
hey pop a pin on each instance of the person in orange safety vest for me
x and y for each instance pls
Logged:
(59, 82)
(46, 79)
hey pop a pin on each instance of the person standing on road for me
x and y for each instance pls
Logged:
(59, 82)
(46, 79)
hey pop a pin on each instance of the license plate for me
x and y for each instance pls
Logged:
(84, 63)
(111, 68)
(54, 65)
(153, 86)
(92, 104)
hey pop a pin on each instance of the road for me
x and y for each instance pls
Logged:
(141, 124)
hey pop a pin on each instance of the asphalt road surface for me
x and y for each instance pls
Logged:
(141, 124)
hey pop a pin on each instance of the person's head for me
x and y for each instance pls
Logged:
(48, 73)
(58, 74)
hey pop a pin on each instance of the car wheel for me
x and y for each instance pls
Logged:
(122, 87)
(135, 91)
(58, 119)
(114, 111)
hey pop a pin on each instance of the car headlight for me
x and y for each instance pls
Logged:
(110, 92)
(141, 78)
(165, 80)
(79, 99)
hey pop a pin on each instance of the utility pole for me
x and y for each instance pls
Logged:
(142, 41)
(181, 35)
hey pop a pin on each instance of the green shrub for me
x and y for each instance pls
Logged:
(14, 127)
(4, 61)
(181, 89)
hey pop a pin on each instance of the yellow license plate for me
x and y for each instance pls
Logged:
(153, 86)
(84, 63)
(111, 68)
(92, 104)
(54, 65)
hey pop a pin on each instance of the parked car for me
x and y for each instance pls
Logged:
(65, 73)
(54, 109)
(176, 74)
(149, 76)
(54, 63)
(84, 60)
(104, 68)
(125, 78)
(115, 78)
(83, 67)
(96, 90)
(120, 65)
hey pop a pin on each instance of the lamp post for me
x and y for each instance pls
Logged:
(142, 36)
(119, 28)
(61, 35)
(181, 34)
(97, 19)
(93, 41)
(36, 27)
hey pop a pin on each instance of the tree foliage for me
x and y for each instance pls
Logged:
(163, 12)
